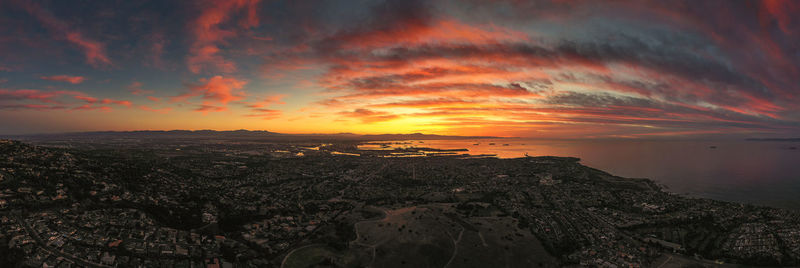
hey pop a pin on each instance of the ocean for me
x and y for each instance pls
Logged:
(755, 172)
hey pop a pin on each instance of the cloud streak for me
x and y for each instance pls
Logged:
(65, 78)
(407, 62)
(42, 100)
(577, 68)
(94, 51)
(208, 33)
(216, 92)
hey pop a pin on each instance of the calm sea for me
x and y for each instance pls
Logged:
(765, 173)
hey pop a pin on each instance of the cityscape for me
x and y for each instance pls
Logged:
(217, 202)
(400, 133)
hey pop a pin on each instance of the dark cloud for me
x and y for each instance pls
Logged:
(369, 116)
(673, 65)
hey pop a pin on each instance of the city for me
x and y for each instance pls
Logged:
(400, 133)
(297, 204)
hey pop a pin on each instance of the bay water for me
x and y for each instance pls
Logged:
(756, 172)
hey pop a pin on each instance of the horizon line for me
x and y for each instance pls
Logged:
(721, 138)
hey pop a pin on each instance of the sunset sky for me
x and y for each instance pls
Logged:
(545, 69)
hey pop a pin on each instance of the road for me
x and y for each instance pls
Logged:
(53, 251)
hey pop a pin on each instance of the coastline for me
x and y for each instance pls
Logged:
(575, 213)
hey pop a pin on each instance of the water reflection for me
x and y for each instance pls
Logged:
(765, 173)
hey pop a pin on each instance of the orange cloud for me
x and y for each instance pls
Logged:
(37, 107)
(94, 51)
(782, 11)
(136, 89)
(93, 100)
(259, 108)
(157, 45)
(90, 107)
(65, 78)
(34, 94)
(427, 103)
(523, 83)
(270, 100)
(266, 114)
(369, 116)
(216, 92)
(149, 109)
(205, 109)
(204, 52)
(55, 97)
(415, 32)
(118, 102)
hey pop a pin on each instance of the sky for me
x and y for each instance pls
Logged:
(544, 69)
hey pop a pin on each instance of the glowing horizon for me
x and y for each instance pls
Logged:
(541, 69)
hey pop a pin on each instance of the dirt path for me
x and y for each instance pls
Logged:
(665, 262)
(290, 252)
(358, 234)
(455, 246)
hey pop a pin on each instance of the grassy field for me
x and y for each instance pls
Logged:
(309, 256)
(430, 236)
(322, 255)
(498, 242)
(410, 237)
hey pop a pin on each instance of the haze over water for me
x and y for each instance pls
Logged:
(763, 173)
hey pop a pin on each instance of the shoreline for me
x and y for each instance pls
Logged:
(576, 213)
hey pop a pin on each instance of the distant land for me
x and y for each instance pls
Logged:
(96, 202)
(774, 139)
(260, 135)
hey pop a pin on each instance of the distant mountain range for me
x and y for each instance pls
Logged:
(239, 134)
(774, 139)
